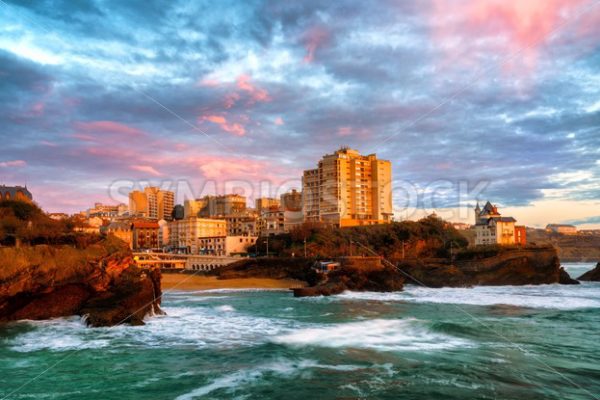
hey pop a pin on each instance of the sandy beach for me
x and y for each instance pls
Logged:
(176, 281)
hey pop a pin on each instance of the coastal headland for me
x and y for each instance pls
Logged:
(99, 282)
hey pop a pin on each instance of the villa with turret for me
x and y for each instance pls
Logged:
(492, 228)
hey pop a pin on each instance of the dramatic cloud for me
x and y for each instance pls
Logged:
(499, 94)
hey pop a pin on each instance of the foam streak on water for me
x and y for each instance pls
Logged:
(378, 334)
(545, 296)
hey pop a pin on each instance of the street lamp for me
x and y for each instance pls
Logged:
(267, 242)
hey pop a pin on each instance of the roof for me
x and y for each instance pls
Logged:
(13, 190)
(496, 219)
(489, 209)
(145, 224)
(504, 219)
(113, 226)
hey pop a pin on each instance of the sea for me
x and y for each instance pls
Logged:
(505, 342)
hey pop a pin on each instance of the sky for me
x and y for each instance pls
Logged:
(470, 100)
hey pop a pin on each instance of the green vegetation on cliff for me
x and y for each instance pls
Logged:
(428, 237)
(25, 223)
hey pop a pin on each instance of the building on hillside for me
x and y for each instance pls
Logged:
(238, 245)
(492, 228)
(15, 193)
(58, 216)
(461, 226)
(291, 204)
(520, 235)
(122, 230)
(266, 203)
(562, 229)
(106, 210)
(163, 234)
(144, 235)
(185, 234)
(225, 245)
(348, 189)
(152, 203)
(272, 222)
(242, 224)
(215, 206)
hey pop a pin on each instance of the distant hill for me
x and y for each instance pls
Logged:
(571, 248)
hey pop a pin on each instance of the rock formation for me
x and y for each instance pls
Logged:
(356, 274)
(592, 275)
(98, 282)
(528, 266)
(565, 279)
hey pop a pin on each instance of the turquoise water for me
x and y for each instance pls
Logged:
(532, 342)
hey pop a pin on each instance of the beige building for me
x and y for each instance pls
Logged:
(215, 206)
(242, 224)
(348, 189)
(122, 230)
(227, 204)
(152, 203)
(266, 203)
(272, 222)
(186, 233)
(106, 210)
(238, 245)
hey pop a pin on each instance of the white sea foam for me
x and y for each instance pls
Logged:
(218, 326)
(235, 380)
(564, 297)
(59, 334)
(225, 308)
(379, 334)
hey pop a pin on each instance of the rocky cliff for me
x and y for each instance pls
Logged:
(528, 266)
(593, 275)
(98, 282)
(272, 268)
(355, 278)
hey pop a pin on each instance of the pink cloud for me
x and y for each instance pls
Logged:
(12, 164)
(518, 31)
(146, 169)
(279, 121)
(217, 119)
(256, 94)
(230, 100)
(234, 128)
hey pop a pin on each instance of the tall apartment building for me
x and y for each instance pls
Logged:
(152, 203)
(348, 189)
